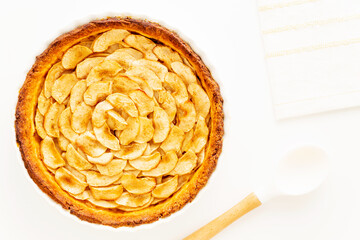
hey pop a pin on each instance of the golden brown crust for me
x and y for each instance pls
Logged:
(28, 141)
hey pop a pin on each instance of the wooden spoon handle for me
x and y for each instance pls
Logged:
(215, 226)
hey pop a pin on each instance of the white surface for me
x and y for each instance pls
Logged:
(227, 32)
(312, 51)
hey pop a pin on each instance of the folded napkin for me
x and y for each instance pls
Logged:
(312, 50)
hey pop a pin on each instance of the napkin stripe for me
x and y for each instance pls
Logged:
(313, 48)
(315, 98)
(283, 5)
(312, 24)
(319, 105)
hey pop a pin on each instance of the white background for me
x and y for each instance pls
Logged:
(226, 34)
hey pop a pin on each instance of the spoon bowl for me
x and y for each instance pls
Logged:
(301, 171)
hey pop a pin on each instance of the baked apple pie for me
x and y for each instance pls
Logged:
(120, 122)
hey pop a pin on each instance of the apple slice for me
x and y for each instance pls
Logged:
(201, 134)
(74, 55)
(115, 121)
(51, 119)
(184, 72)
(114, 167)
(200, 99)
(136, 185)
(76, 160)
(106, 138)
(50, 154)
(168, 103)
(63, 142)
(82, 196)
(167, 163)
(97, 92)
(142, 44)
(185, 164)
(187, 116)
(159, 69)
(146, 163)
(102, 203)
(164, 190)
(39, 124)
(167, 55)
(65, 125)
(83, 69)
(122, 102)
(176, 86)
(81, 118)
(132, 200)
(54, 73)
(102, 159)
(77, 94)
(131, 151)
(99, 116)
(186, 145)
(125, 85)
(125, 56)
(88, 144)
(107, 193)
(143, 102)
(105, 40)
(161, 124)
(69, 182)
(174, 140)
(62, 87)
(95, 179)
(147, 75)
(151, 147)
(43, 103)
(131, 131)
(146, 131)
(106, 68)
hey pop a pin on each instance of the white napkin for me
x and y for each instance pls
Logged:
(313, 54)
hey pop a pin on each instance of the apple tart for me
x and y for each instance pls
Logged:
(120, 122)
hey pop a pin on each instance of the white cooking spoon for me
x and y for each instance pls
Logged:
(299, 172)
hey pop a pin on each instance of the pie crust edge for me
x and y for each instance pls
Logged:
(28, 141)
